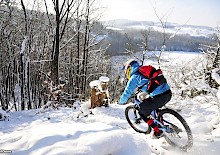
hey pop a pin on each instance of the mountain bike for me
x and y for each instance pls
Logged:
(176, 130)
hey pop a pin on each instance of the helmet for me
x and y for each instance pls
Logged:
(128, 67)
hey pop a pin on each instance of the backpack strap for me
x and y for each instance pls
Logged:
(152, 73)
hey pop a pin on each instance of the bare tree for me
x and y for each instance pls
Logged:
(5, 53)
(22, 54)
(165, 36)
(85, 46)
(163, 22)
(62, 16)
(145, 43)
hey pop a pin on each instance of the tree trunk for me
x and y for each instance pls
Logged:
(7, 84)
(78, 58)
(22, 82)
(13, 83)
(28, 87)
(85, 50)
(55, 62)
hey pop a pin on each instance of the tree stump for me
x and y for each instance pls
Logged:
(99, 95)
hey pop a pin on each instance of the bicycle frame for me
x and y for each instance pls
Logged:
(162, 126)
(154, 116)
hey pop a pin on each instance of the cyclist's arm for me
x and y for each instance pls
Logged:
(130, 88)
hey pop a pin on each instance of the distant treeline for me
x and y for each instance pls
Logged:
(120, 41)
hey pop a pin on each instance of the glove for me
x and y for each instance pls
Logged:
(141, 96)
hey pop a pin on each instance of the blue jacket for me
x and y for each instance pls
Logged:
(137, 80)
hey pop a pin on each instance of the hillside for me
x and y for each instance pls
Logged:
(132, 35)
(192, 30)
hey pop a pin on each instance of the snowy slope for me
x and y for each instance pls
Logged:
(105, 131)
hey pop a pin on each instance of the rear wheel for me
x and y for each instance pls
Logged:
(135, 120)
(178, 132)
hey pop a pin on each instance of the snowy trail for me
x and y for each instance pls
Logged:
(104, 132)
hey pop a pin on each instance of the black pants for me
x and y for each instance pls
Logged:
(152, 103)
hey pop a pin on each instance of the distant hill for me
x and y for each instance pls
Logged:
(192, 30)
(126, 34)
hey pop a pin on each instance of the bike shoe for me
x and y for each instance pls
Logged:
(157, 135)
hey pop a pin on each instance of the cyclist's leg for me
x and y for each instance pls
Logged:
(153, 103)
(145, 111)
(150, 104)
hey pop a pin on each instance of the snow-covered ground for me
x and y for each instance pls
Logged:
(105, 131)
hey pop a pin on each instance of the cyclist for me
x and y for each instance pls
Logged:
(158, 98)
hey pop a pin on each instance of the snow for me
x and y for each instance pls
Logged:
(23, 44)
(172, 28)
(113, 28)
(94, 83)
(215, 75)
(104, 79)
(57, 132)
(98, 82)
(3, 115)
(105, 131)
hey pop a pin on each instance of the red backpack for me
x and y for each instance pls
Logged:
(155, 77)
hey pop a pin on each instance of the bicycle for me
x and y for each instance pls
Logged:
(176, 130)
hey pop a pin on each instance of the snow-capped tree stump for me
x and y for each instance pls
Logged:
(99, 95)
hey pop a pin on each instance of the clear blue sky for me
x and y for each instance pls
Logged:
(195, 12)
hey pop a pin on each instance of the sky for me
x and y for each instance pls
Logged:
(193, 12)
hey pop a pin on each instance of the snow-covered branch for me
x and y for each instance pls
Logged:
(215, 75)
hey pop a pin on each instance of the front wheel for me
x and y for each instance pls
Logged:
(178, 132)
(135, 120)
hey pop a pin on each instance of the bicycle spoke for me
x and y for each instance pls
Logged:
(136, 121)
(177, 131)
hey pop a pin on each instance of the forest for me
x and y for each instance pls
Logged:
(39, 50)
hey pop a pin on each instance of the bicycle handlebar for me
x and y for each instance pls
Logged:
(137, 101)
